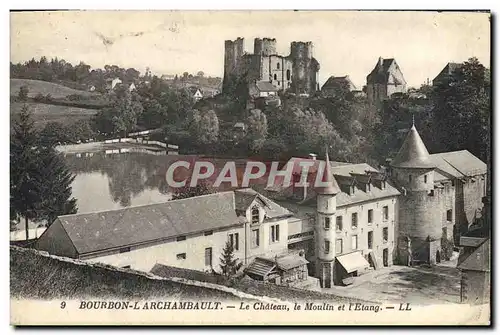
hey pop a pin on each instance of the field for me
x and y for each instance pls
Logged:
(43, 87)
(43, 113)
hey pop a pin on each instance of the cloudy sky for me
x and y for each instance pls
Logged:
(174, 42)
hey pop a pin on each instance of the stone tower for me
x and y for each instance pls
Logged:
(420, 232)
(325, 227)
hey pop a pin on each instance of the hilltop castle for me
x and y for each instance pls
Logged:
(297, 72)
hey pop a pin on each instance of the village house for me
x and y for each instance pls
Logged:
(112, 82)
(475, 267)
(188, 233)
(196, 92)
(384, 80)
(446, 73)
(333, 84)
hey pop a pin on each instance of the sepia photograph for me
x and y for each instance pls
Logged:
(272, 167)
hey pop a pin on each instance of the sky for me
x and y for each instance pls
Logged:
(170, 42)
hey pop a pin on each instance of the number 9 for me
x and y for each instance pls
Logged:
(63, 304)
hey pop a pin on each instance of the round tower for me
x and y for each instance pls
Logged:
(265, 46)
(325, 232)
(420, 225)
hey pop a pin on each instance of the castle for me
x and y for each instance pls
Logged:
(297, 72)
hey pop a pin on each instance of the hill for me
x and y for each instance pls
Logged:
(44, 113)
(43, 87)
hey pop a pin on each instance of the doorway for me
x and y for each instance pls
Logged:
(385, 257)
(438, 256)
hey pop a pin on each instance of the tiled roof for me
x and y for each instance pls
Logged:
(413, 153)
(458, 163)
(447, 71)
(380, 75)
(265, 86)
(135, 225)
(333, 81)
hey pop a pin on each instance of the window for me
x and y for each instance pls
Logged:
(126, 249)
(370, 240)
(338, 246)
(339, 223)
(409, 178)
(449, 215)
(275, 233)
(255, 238)
(354, 220)
(288, 74)
(234, 240)
(327, 247)
(278, 83)
(354, 242)
(327, 223)
(255, 215)
(275, 77)
(208, 256)
(385, 234)
(385, 213)
(181, 256)
(278, 66)
(209, 232)
(425, 178)
(180, 238)
(370, 216)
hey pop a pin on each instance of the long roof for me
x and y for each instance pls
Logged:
(459, 163)
(413, 153)
(99, 231)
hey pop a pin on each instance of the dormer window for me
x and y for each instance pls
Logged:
(255, 215)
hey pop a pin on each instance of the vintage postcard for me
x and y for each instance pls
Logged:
(250, 168)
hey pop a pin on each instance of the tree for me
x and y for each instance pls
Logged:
(189, 192)
(229, 264)
(23, 93)
(24, 198)
(200, 74)
(54, 184)
(54, 132)
(257, 129)
(203, 127)
(461, 113)
(40, 182)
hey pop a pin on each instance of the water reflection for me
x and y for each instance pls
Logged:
(112, 181)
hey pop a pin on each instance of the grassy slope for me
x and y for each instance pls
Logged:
(43, 87)
(43, 113)
(35, 276)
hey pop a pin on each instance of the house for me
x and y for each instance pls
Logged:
(196, 92)
(333, 84)
(384, 80)
(287, 270)
(112, 82)
(262, 89)
(188, 233)
(446, 73)
(345, 229)
(475, 268)
(131, 87)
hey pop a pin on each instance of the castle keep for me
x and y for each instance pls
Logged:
(297, 72)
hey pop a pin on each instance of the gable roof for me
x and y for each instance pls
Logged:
(334, 81)
(380, 73)
(459, 163)
(265, 86)
(413, 153)
(476, 260)
(447, 71)
(245, 197)
(134, 225)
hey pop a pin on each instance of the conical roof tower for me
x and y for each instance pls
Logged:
(332, 187)
(413, 153)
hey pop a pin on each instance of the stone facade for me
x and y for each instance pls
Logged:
(297, 72)
(384, 80)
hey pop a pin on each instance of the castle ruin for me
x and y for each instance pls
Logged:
(297, 72)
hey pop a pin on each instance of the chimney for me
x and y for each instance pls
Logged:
(380, 64)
